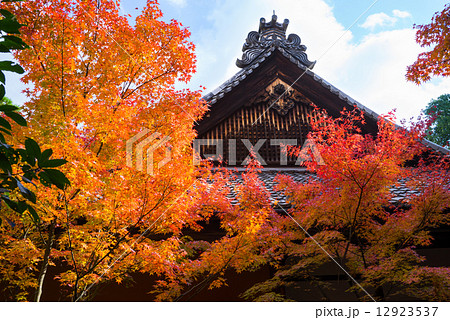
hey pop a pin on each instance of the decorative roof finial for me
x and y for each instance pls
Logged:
(272, 35)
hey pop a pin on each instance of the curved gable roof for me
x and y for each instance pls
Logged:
(267, 55)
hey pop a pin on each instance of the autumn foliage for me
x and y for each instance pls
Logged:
(96, 79)
(251, 237)
(436, 37)
(348, 215)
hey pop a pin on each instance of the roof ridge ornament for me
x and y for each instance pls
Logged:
(270, 35)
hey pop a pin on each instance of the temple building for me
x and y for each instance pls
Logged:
(269, 104)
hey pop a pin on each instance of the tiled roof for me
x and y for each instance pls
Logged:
(400, 192)
(268, 178)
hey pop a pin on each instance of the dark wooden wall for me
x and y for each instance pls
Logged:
(259, 121)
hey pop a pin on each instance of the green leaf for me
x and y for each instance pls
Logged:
(17, 118)
(32, 148)
(27, 180)
(26, 156)
(5, 131)
(13, 42)
(9, 202)
(31, 196)
(29, 174)
(4, 48)
(46, 154)
(8, 107)
(5, 165)
(34, 214)
(4, 123)
(10, 24)
(53, 163)
(23, 153)
(21, 206)
(45, 179)
(57, 178)
(6, 13)
(11, 66)
(2, 77)
(2, 91)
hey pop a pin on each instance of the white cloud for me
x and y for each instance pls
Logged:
(401, 14)
(179, 3)
(382, 19)
(378, 19)
(220, 44)
(375, 74)
(371, 71)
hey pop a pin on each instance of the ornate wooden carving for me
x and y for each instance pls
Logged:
(272, 35)
(271, 115)
(281, 97)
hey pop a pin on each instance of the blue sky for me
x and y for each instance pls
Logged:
(368, 61)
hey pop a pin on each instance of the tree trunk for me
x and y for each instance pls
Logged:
(44, 266)
(379, 293)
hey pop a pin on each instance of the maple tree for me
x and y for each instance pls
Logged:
(95, 81)
(347, 213)
(252, 235)
(20, 166)
(436, 61)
